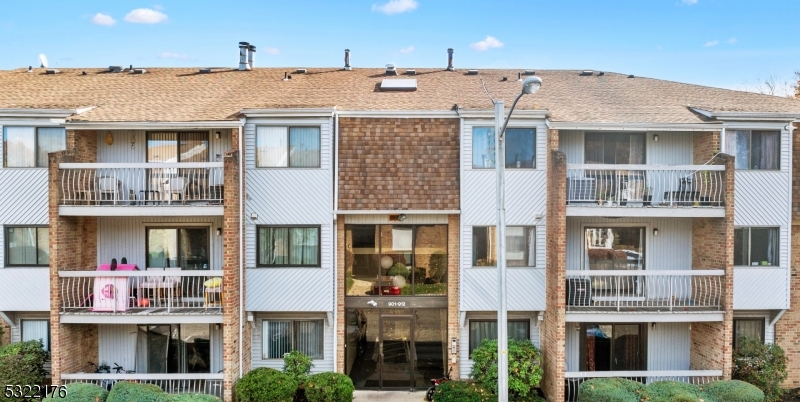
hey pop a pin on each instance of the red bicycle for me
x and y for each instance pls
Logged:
(436, 383)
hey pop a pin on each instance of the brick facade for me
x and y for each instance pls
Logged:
(5, 339)
(453, 258)
(340, 291)
(406, 164)
(704, 146)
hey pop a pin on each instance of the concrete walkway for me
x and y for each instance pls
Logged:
(399, 396)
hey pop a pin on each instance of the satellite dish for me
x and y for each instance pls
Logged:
(43, 60)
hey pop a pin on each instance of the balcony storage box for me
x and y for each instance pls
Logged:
(111, 293)
(578, 290)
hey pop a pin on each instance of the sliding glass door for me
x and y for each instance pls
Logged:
(186, 248)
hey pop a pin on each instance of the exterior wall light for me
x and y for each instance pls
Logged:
(655, 137)
(655, 232)
(109, 138)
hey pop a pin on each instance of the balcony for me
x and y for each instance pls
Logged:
(645, 190)
(137, 189)
(171, 383)
(697, 377)
(157, 296)
(665, 295)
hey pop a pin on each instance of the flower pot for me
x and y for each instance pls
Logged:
(647, 200)
(705, 201)
(623, 202)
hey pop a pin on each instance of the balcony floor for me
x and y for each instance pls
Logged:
(150, 315)
(591, 209)
(142, 210)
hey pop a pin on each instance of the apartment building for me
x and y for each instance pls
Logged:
(350, 214)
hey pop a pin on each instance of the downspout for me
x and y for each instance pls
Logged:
(7, 319)
(335, 159)
(241, 246)
(777, 317)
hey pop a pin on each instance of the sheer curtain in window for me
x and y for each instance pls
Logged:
(271, 147)
(483, 147)
(765, 149)
(22, 246)
(50, 139)
(308, 338)
(737, 143)
(34, 330)
(752, 329)
(637, 149)
(18, 147)
(193, 147)
(162, 147)
(273, 246)
(480, 330)
(305, 246)
(304, 146)
(277, 339)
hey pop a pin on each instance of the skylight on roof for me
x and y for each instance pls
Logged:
(399, 84)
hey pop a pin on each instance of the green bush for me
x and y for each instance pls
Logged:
(189, 398)
(265, 384)
(611, 390)
(398, 269)
(125, 391)
(22, 363)
(669, 391)
(297, 365)
(80, 392)
(437, 266)
(763, 365)
(524, 367)
(462, 391)
(329, 387)
(731, 391)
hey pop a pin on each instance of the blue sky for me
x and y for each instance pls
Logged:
(723, 43)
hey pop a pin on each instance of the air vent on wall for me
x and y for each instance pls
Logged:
(404, 84)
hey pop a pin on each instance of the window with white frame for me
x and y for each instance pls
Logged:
(755, 246)
(25, 147)
(281, 246)
(520, 148)
(480, 330)
(36, 330)
(751, 328)
(27, 246)
(287, 146)
(280, 337)
(754, 149)
(520, 246)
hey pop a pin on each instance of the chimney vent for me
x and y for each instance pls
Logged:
(251, 50)
(301, 71)
(115, 69)
(243, 56)
(631, 76)
(472, 72)
(51, 71)
(347, 60)
(205, 70)
(529, 72)
(450, 60)
(411, 72)
(601, 73)
(139, 71)
(586, 72)
(391, 70)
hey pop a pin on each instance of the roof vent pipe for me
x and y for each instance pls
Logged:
(347, 60)
(450, 60)
(243, 56)
(250, 51)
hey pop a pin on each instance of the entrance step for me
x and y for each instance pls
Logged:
(382, 396)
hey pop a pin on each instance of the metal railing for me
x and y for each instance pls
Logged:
(142, 183)
(651, 290)
(697, 377)
(157, 290)
(171, 383)
(645, 185)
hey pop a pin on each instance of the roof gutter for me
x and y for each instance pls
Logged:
(399, 211)
(518, 114)
(43, 113)
(151, 125)
(289, 112)
(635, 126)
(750, 116)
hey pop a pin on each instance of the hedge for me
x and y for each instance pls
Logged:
(265, 384)
(462, 391)
(731, 391)
(524, 369)
(80, 392)
(125, 391)
(329, 387)
(189, 398)
(622, 390)
(22, 363)
(669, 391)
(611, 390)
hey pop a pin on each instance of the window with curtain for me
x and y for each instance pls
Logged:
(614, 148)
(613, 347)
(177, 147)
(280, 337)
(29, 146)
(754, 149)
(34, 330)
(173, 348)
(755, 246)
(520, 148)
(480, 330)
(27, 246)
(288, 246)
(287, 146)
(186, 248)
(752, 328)
(520, 246)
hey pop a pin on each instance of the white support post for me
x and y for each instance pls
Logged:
(502, 300)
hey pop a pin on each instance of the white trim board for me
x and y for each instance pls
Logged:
(645, 317)
(101, 318)
(142, 210)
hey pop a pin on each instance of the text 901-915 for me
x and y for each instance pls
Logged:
(35, 391)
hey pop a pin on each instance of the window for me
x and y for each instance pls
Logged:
(28, 146)
(177, 147)
(185, 248)
(615, 248)
(754, 149)
(520, 246)
(287, 147)
(34, 330)
(614, 148)
(27, 246)
(752, 328)
(288, 246)
(175, 348)
(479, 330)
(283, 336)
(520, 148)
(755, 246)
(613, 347)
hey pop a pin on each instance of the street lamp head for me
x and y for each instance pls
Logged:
(531, 85)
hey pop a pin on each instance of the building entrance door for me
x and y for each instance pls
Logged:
(397, 357)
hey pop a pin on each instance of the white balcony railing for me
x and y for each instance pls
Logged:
(151, 291)
(696, 377)
(645, 185)
(645, 290)
(171, 383)
(142, 183)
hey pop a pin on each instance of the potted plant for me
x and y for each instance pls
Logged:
(647, 198)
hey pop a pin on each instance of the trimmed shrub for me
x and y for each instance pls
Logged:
(80, 392)
(125, 391)
(265, 384)
(669, 391)
(398, 269)
(22, 363)
(297, 365)
(524, 367)
(437, 266)
(763, 365)
(189, 398)
(731, 391)
(329, 387)
(462, 391)
(611, 390)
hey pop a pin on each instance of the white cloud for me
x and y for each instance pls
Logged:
(689, 2)
(489, 43)
(731, 41)
(407, 49)
(711, 43)
(396, 6)
(145, 16)
(270, 50)
(168, 55)
(103, 19)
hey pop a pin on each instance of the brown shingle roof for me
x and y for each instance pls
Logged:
(182, 94)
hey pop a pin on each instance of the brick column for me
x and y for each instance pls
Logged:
(233, 314)
(704, 146)
(340, 274)
(6, 338)
(553, 327)
(453, 246)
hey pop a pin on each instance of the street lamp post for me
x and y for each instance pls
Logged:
(529, 86)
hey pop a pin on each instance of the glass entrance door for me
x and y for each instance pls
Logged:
(397, 352)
